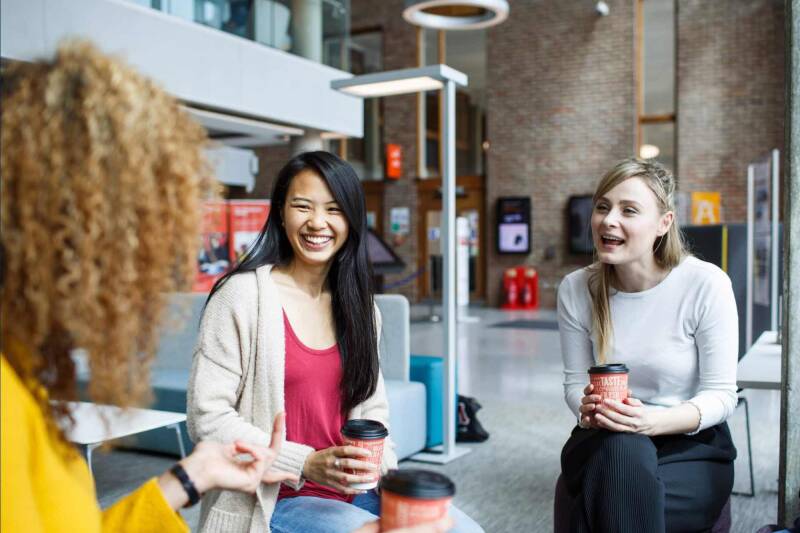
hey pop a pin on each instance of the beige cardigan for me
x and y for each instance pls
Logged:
(236, 389)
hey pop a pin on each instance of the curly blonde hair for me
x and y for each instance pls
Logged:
(102, 179)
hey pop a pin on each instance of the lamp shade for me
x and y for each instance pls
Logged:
(455, 14)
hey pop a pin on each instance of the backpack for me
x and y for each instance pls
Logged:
(469, 428)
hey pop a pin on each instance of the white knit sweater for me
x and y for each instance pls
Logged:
(236, 389)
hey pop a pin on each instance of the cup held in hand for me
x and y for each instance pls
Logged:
(370, 435)
(610, 381)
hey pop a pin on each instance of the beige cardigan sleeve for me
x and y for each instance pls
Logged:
(219, 367)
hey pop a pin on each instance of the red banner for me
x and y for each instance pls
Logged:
(247, 217)
(213, 259)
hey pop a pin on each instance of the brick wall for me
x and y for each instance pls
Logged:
(400, 119)
(730, 91)
(560, 112)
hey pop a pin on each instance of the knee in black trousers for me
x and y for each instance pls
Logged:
(616, 479)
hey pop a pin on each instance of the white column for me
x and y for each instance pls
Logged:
(307, 29)
(307, 42)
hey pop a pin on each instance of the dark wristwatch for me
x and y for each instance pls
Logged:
(187, 484)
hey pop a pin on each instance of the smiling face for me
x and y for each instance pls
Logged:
(626, 222)
(315, 225)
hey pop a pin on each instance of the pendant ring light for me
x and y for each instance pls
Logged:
(455, 14)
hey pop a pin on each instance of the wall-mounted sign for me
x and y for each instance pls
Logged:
(399, 224)
(394, 161)
(705, 208)
(514, 225)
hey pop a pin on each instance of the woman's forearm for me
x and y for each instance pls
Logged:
(682, 418)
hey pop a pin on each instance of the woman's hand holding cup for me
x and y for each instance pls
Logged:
(327, 467)
(588, 407)
(626, 416)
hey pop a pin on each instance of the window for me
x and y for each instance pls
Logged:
(655, 106)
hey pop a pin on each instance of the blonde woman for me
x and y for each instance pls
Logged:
(102, 176)
(662, 459)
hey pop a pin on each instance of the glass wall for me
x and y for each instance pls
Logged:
(464, 51)
(315, 29)
(656, 73)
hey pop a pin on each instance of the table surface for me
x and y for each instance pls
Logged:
(99, 423)
(760, 368)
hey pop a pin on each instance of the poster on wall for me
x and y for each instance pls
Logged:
(399, 224)
(514, 225)
(247, 218)
(705, 208)
(762, 232)
(213, 258)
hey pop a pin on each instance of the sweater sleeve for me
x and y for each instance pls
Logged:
(143, 510)
(576, 345)
(221, 359)
(717, 339)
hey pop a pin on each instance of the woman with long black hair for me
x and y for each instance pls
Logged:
(294, 327)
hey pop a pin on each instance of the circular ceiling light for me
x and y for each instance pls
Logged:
(649, 151)
(455, 14)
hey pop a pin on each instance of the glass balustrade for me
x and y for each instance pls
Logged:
(315, 29)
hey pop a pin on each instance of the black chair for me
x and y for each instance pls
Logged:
(563, 502)
(743, 401)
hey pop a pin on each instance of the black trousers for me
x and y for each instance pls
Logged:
(623, 482)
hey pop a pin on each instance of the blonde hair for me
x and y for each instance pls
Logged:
(102, 176)
(668, 251)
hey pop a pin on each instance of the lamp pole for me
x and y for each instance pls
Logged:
(407, 81)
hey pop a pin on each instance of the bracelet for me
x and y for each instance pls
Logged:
(187, 484)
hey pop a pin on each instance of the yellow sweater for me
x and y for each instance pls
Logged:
(43, 489)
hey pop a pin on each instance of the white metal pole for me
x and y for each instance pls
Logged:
(748, 320)
(449, 266)
(775, 241)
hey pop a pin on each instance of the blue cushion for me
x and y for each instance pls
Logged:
(429, 370)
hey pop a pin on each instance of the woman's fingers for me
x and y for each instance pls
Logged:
(354, 464)
(606, 423)
(350, 451)
(587, 390)
(592, 398)
(633, 401)
(277, 432)
(348, 479)
(624, 408)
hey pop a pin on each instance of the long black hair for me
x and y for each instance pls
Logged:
(349, 278)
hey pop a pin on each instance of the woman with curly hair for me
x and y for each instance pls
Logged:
(102, 178)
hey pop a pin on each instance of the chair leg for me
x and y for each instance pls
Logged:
(752, 492)
(177, 428)
(87, 450)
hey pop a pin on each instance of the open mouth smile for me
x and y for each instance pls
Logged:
(611, 241)
(315, 242)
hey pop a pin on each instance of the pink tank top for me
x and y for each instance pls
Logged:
(313, 403)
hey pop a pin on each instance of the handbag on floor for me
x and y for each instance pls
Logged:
(469, 428)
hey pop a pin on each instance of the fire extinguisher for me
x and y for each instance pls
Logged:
(527, 295)
(510, 289)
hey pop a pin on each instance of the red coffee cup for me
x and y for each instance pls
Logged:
(370, 435)
(610, 381)
(414, 497)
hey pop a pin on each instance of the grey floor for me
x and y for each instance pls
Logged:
(506, 484)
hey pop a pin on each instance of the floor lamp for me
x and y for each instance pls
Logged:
(414, 80)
